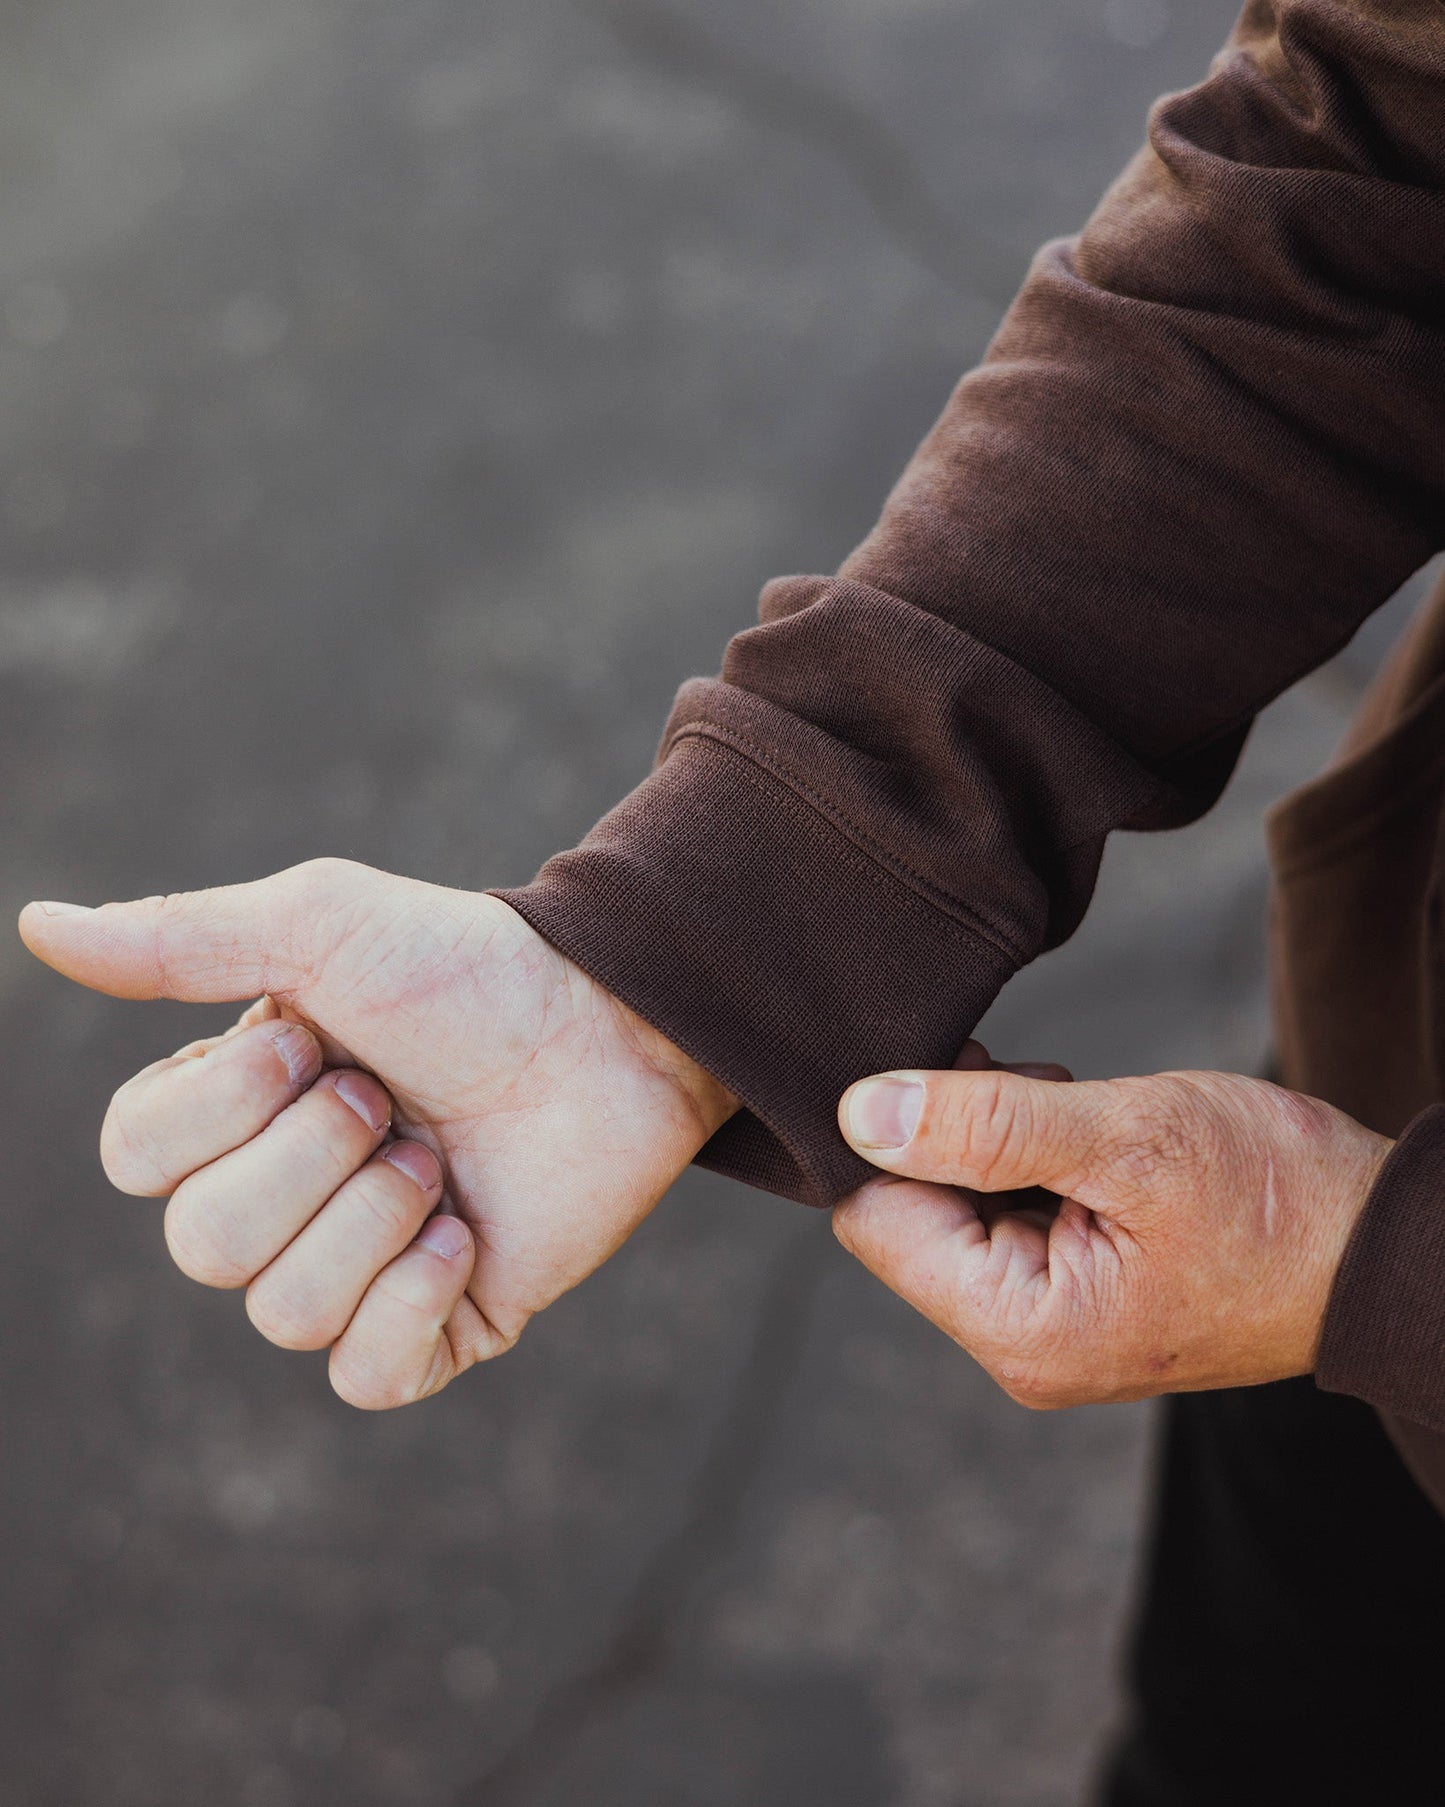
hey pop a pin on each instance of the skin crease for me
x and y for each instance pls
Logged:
(1201, 1220)
(556, 1117)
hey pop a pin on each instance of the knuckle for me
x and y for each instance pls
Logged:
(1308, 1120)
(1043, 1372)
(328, 1143)
(326, 877)
(326, 902)
(381, 1365)
(352, 1387)
(197, 1245)
(127, 1154)
(1042, 1399)
(1037, 1390)
(1158, 1128)
(286, 1317)
(392, 1205)
(362, 1385)
(981, 1125)
(405, 1290)
(168, 913)
(486, 1345)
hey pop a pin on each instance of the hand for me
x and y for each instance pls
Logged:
(1201, 1222)
(546, 1115)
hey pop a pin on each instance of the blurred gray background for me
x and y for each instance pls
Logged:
(397, 399)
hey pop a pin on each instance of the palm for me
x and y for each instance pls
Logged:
(551, 1108)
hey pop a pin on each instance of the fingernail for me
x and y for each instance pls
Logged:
(445, 1236)
(360, 1094)
(65, 909)
(883, 1113)
(298, 1047)
(419, 1164)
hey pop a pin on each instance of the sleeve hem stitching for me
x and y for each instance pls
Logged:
(950, 908)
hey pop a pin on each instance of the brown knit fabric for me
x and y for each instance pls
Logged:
(1356, 955)
(1357, 967)
(1384, 1334)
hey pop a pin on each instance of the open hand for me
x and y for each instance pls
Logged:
(1199, 1221)
(414, 1047)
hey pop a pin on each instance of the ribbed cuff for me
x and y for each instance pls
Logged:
(763, 942)
(1384, 1332)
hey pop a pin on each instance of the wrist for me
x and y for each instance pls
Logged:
(694, 1102)
(1359, 1161)
(703, 1097)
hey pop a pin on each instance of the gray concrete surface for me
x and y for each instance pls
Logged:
(396, 401)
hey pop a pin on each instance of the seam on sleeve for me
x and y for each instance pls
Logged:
(951, 909)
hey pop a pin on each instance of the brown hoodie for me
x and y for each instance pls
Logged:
(1208, 440)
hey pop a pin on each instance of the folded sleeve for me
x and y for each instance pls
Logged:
(1384, 1331)
(1204, 445)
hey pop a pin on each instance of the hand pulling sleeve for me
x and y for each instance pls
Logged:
(1205, 444)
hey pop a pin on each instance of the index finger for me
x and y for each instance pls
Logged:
(932, 1246)
(181, 1114)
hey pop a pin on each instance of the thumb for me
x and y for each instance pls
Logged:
(198, 946)
(994, 1131)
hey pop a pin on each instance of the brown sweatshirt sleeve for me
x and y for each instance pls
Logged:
(1384, 1331)
(1205, 444)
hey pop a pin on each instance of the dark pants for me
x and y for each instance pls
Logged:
(1290, 1648)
